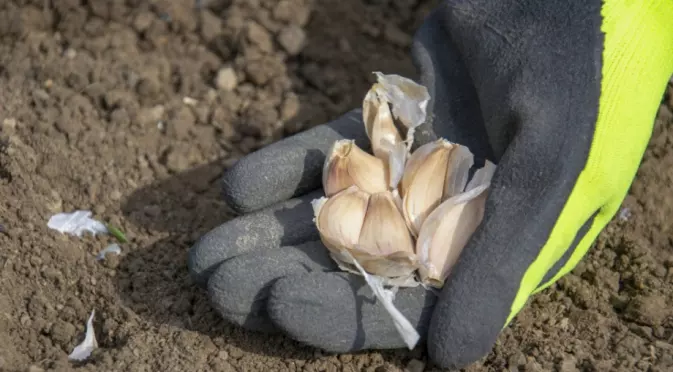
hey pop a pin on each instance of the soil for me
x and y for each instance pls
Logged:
(132, 109)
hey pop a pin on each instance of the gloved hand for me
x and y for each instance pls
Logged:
(560, 95)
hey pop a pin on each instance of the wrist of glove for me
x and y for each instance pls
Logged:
(561, 97)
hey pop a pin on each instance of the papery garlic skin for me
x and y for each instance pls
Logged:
(409, 100)
(370, 228)
(435, 171)
(347, 165)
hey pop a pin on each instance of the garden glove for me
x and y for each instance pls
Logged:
(560, 95)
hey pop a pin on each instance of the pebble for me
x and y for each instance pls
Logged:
(226, 79)
(289, 108)
(8, 124)
(568, 365)
(293, 39)
(259, 36)
(396, 36)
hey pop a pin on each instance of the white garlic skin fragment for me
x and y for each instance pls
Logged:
(435, 172)
(347, 165)
(370, 227)
(409, 100)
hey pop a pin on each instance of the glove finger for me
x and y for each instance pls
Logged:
(289, 167)
(239, 287)
(454, 112)
(286, 223)
(338, 312)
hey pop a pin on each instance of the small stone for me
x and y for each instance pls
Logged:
(221, 365)
(120, 117)
(516, 360)
(151, 115)
(70, 53)
(35, 368)
(176, 162)
(293, 39)
(211, 25)
(415, 365)
(63, 332)
(25, 320)
(568, 365)
(259, 36)
(236, 353)
(226, 79)
(262, 70)
(283, 11)
(650, 310)
(286, 11)
(396, 36)
(8, 125)
(111, 261)
(290, 107)
(143, 21)
(181, 120)
(115, 195)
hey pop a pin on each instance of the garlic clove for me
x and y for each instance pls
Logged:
(339, 219)
(384, 231)
(347, 165)
(384, 136)
(450, 226)
(423, 182)
(414, 163)
(461, 160)
(408, 99)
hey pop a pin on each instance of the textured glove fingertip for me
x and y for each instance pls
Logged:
(246, 186)
(455, 346)
(287, 168)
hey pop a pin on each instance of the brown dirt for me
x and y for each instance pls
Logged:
(93, 116)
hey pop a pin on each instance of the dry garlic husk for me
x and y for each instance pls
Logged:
(370, 228)
(391, 111)
(448, 228)
(408, 101)
(347, 165)
(435, 172)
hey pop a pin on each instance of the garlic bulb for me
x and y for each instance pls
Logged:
(393, 213)
(347, 165)
(396, 217)
(368, 226)
(435, 171)
(449, 227)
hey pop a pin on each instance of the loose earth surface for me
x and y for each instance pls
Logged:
(133, 109)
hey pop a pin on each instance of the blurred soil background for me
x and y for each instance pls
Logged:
(132, 109)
